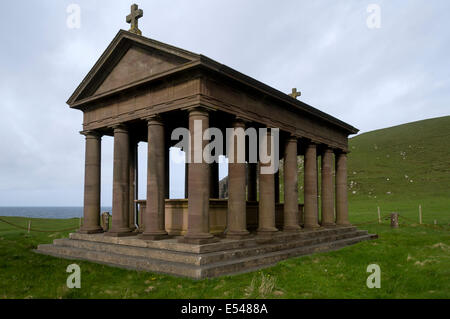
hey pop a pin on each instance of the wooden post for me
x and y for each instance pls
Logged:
(394, 220)
(435, 222)
(29, 226)
(420, 214)
(379, 215)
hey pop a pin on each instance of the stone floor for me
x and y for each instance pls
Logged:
(224, 257)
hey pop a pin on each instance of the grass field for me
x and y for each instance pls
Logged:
(396, 169)
(414, 261)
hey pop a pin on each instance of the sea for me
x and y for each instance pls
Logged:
(46, 212)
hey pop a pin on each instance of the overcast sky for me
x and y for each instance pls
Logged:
(368, 77)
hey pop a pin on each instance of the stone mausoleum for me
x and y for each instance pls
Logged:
(140, 90)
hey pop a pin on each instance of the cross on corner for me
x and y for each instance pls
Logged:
(295, 94)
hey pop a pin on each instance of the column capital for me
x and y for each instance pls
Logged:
(311, 144)
(339, 151)
(327, 149)
(120, 127)
(240, 122)
(292, 138)
(155, 119)
(242, 119)
(198, 110)
(91, 134)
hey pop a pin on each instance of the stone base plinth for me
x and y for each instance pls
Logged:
(176, 216)
(223, 257)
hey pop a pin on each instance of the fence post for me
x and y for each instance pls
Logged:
(420, 214)
(394, 220)
(379, 215)
(29, 226)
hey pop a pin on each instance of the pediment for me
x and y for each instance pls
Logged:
(137, 64)
(129, 58)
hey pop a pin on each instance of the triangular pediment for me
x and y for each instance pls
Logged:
(137, 64)
(128, 59)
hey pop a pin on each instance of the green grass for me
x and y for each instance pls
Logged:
(414, 259)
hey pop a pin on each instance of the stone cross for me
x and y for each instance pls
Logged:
(294, 93)
(133, 17)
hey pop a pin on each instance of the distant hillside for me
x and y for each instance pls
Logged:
(405, 162)
(409, 162)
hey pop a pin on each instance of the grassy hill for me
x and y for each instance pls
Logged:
(401, 167)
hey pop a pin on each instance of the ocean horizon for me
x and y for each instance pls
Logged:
(54, 212)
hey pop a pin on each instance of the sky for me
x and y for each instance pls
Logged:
(372, 69)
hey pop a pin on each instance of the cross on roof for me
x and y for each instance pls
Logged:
(133, 17)
(295, 94)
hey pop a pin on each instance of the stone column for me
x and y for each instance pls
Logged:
(133, 184)
(92, 169)
(341, 190)
(121, 180)
(327, 188)
(291, 186)
(186, 180)
(237, 210)
(156, 181)
(266, 208)
(167, 169)
(214, 182)
(310, 187)
(252, 170)
(277, 186)
(198, 182)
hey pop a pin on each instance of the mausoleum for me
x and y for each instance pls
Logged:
(141, 90)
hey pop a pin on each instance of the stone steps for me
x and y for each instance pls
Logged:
(221, 246)
(259, 250)
(248, 255)
(266, 260)
(251, 248)
(119, 260)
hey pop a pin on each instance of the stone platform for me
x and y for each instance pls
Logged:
(224, 257)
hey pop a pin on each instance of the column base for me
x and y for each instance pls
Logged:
(266, 232)
(198, 239)
(292, 229)
(154, 236)
(343, 224)
(91, 230)
(328, 225)
(237, 234)
(311, 226)
(120, 233)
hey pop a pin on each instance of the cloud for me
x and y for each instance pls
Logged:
(370, 78)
